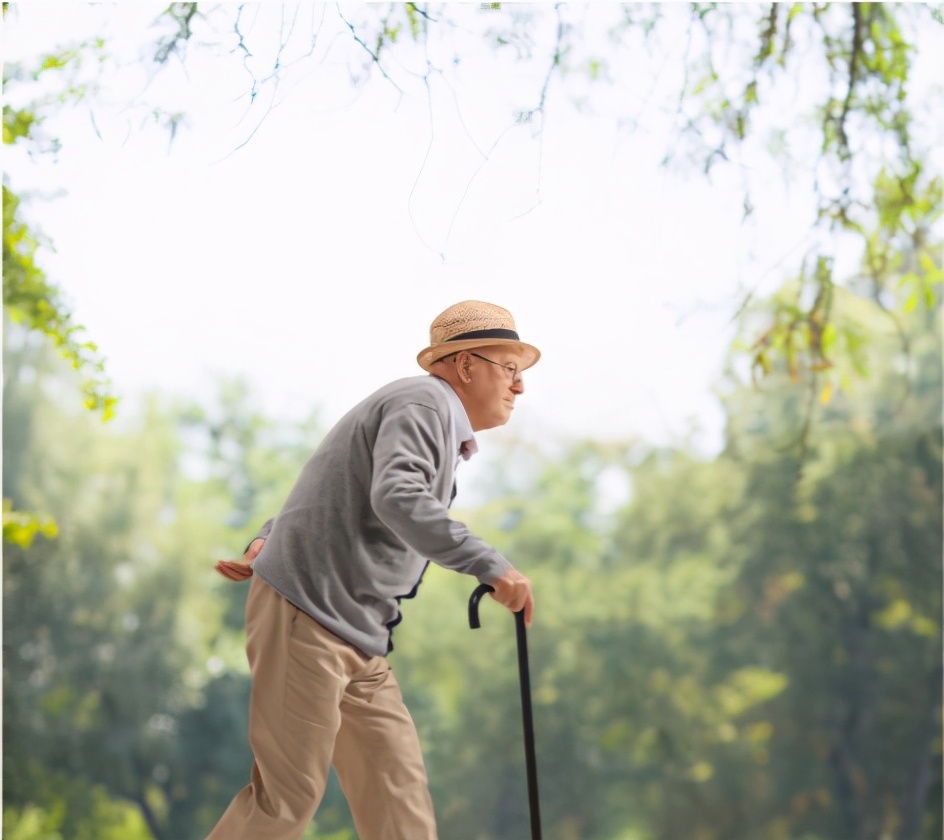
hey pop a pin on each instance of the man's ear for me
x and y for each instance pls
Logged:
(464, 366)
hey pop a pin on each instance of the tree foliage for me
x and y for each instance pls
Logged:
(30, 297)
(824, 90)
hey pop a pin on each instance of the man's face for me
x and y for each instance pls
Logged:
(494, 385)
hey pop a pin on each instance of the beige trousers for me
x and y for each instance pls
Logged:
(317, 700)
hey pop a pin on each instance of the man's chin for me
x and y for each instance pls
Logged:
(496, 422)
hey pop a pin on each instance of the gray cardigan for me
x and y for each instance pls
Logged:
(368, 512)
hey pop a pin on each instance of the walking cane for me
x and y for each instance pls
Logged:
(525, 679)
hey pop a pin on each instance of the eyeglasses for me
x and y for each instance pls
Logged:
(512, 369)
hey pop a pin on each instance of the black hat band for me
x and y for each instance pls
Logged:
(499, 333)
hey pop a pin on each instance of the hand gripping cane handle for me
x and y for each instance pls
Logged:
(527, 719)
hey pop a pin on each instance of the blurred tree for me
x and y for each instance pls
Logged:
(733, 648)
(121, 659)
(91, 665)
(842, 596)
(744, 647)
(842, 592)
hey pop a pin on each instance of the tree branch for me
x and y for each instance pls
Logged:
(914, 800)
(854, 54)
(421, 12)
(374, 56)
(526, 116)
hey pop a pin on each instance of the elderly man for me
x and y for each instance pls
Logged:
(367, 514)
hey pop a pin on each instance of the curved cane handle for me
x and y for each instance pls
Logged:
(480, 590)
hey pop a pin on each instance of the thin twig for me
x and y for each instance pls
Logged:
(374, 56)
(421, 12)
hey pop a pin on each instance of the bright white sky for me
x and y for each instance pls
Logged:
(312, 259)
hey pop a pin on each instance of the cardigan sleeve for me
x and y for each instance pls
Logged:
(408, 453)
(264, 532)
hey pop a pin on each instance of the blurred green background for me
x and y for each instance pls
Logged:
(747, 646)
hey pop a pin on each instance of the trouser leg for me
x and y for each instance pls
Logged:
(379, 762)
(299, 672)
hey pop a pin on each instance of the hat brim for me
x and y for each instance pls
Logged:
(428, 357)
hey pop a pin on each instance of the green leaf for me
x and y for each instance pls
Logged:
(828, 338)
(21, 528)
(747, 688)
(926, 261)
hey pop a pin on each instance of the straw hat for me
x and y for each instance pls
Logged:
(470, 324)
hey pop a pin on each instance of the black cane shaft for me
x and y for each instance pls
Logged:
(525, 681)
(528, 721)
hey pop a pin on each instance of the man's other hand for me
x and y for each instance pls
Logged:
(241, 569)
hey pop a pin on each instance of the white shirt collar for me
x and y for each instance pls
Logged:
(463, 426)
